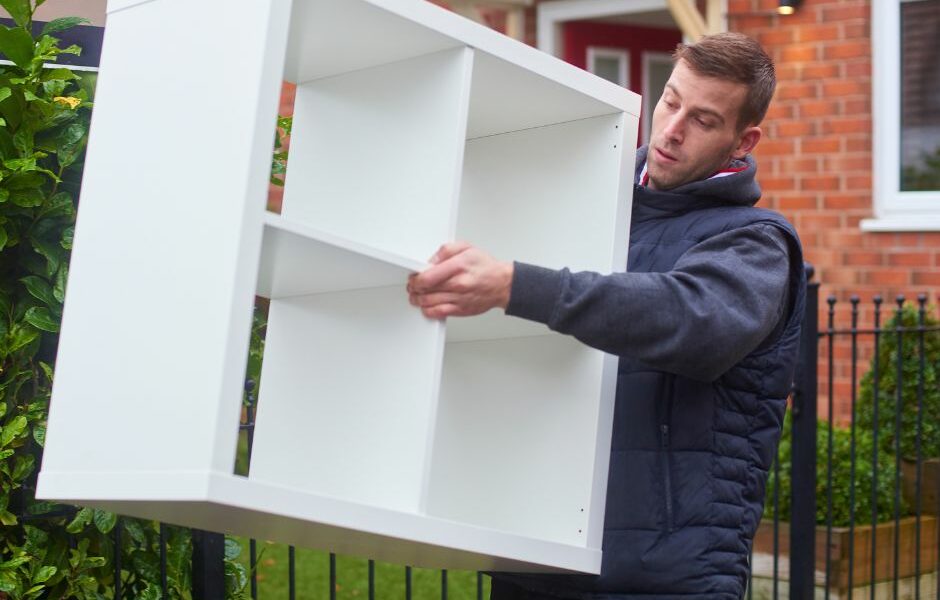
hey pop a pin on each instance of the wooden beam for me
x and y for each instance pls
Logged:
(688, 18)
(715, 17)
(515, 23)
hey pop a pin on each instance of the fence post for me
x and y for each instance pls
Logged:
(208, 565)
(803, 476)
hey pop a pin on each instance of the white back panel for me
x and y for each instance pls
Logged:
(155, 331)
(507, 97)
(515, 439)
(347, 396)
(375, 154)
(549, 196)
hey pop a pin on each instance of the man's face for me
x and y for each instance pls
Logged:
(695, 129)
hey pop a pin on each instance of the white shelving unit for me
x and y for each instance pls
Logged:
(478, 443)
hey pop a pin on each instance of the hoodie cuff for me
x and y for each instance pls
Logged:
(534, 292)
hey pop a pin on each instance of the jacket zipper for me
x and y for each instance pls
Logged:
(667, 478)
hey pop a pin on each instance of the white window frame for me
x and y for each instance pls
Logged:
(649, 102)
(623, 62)
(894, 210)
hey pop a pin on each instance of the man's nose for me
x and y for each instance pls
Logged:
(675, 128)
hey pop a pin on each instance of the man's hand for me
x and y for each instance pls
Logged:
(463, 281)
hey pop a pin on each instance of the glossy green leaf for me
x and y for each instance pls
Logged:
(151, 592)
(21, 336)
(61, 279)
(3, 237)
(20, 10)
(68, 235)
(135, 530)
(81, 519)
(51, 251)
(44, 573)
(20, 164)
(62, 24)
(233, 548)
(5, 93)
(40, 289)
(104, 520)
(17, 44)
(12, 430)
(23, 467)
(14, 562)
(42, 318)
(39, 435)
(23, 142)
(58, 206)
(27, 198)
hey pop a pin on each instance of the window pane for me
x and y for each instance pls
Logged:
(608, 67)
(920, 95)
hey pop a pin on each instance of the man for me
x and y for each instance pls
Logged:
(706, 323)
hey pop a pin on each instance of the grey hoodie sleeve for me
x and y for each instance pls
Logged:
(720, 301)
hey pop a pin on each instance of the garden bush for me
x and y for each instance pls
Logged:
(841, 478)
(888, 352)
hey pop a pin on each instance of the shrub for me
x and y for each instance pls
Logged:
(841, 477)
(888, 352)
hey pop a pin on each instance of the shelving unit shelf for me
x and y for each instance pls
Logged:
(477, 443)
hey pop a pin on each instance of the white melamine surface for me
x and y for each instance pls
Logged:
(155, 330)
(509, 446)
(376, 154)
(338, 36)
(297, 260)
(347, 396)
(236, 505)
(548, 195)
(477, 443)
(506, 97)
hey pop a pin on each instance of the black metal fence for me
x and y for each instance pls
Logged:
(852, 506)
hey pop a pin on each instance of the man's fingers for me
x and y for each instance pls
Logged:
(430, 300)
(435, 275)
(448, 250)
(441, 311)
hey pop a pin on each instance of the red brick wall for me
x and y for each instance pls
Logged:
(816, 160)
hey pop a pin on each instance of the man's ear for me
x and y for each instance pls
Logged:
(747, 142)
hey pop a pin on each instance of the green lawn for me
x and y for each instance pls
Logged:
(312, 577)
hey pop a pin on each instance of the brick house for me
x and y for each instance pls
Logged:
(843, 151)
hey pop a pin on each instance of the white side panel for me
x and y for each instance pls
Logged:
(249, 508)
(556, 196)
(347, 396)
(375, 154)
(515, 439)
(155, 331)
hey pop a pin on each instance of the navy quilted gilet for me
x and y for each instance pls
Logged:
(689, 459)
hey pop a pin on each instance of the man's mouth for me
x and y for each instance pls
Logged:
(665, 156)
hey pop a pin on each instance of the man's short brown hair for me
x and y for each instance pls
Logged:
(734, 57)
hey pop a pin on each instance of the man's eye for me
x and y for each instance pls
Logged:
(705, 123)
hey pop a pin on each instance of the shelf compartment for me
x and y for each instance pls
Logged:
(350, 381)
(299, 260)
(375, 154)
